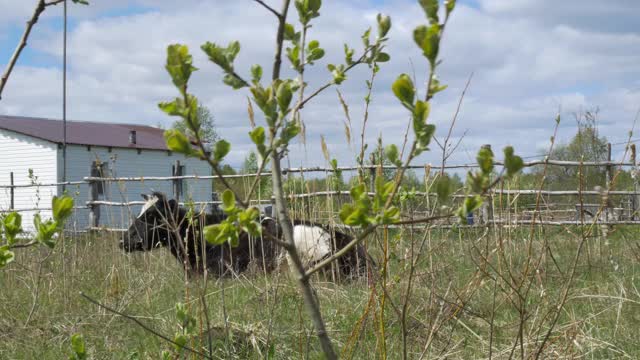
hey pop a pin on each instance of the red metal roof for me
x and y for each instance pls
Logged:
(86, 133)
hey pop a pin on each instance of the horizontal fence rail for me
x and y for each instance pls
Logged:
(89, 179)
(547, 213)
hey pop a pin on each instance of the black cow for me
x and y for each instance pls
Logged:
(162, 222)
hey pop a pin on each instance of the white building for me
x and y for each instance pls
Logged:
(34, 145)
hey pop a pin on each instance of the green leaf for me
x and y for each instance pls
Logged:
(78, 347)
(223, 57)
(45, 230)
(423, 137)
(81, 2)
(449, 6)
(334, 164)
(257, 135)
(435, 87)
(187, 322)
(423, 131)
(365, 38)
(308, 9)
(485, 160)
(348, 55)
(430, 8)
(228, 200)
(232, 50)
(217, 55)
(391, 215)
(382, 57)
(290, 130)
(443, 188)
(179, 65)
(315, 54)
(179, 341)
(384, 24)
(6, 256)
(428, 39)
(353, 216)
(470, 204)
(12, 226)
(313, 44)
(233, 81)
(512, 163)
(284, 95)
(421, 111)
(289, 32)
(404, 90)
(220, 150)
(392, 154)
(62, 208)
(212, 234)
(314, 5)
(358, 191)
(173, 108)
(178, 142)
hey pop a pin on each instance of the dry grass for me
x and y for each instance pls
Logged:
(459, 307)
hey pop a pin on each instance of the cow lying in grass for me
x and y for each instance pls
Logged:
(163, 223)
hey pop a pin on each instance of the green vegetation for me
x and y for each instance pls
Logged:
(600, 319)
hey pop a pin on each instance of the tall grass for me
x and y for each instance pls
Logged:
(460, 306)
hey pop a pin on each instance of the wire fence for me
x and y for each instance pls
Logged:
(505, 206)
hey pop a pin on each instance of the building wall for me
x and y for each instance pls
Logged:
(19, 154)
(123, 162)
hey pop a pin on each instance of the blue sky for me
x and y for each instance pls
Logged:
(529, 59)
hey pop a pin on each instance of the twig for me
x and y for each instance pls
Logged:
(39, 9)
(283, 214)
(446, 154)
(142, 325)
(277, 14)
(302, 103)
(40, 6)
(25, 245)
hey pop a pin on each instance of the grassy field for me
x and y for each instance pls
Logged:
(462, 302)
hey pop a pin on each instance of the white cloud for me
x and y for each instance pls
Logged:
(528, 57)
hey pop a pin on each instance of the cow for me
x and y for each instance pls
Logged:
(163, 223)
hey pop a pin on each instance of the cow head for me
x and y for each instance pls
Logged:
(150, 229)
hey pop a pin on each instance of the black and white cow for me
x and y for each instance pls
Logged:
(163, 223)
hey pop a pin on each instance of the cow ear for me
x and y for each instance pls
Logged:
(145, 196)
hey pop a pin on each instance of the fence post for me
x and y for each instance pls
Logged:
(634, 197)
(94, 209)
(372, 179)
(12, 192)
(609, 180)
(215, 208)
(176, 182)
(487, 205)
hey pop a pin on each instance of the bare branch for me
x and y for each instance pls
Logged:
(277, 14)
(22, 246)
(40, 6)
(142, 325)
(302, 103)
(446, 154)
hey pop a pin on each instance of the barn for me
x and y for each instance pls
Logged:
(32, 160)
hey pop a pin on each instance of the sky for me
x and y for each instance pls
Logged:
(530, 59)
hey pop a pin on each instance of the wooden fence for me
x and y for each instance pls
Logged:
(544, 215)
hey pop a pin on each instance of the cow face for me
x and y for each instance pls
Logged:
(149, 229)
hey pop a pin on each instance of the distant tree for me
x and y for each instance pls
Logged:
(226, 169)
(250, 166)
(208, 131)
(586, 145)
